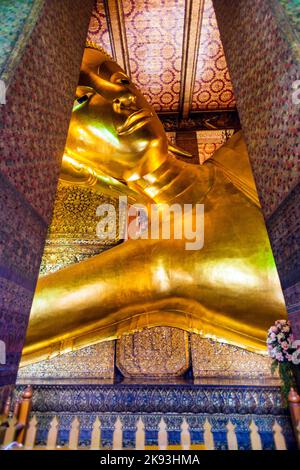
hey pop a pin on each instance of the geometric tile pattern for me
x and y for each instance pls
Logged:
(292, 9)
(284, 229)
(157, 398)
(263, 72)
(33, 127)
(30, 161)
(13, 17)
(213, 88)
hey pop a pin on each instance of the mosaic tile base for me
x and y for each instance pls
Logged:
(173, 422)
(151, 398)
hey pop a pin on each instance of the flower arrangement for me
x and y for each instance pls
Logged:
(285, 352)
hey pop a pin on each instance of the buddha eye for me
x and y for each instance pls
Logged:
(122, 81)
(120, 78)
(81, 100)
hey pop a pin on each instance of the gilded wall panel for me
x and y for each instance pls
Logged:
(153, 352)
(72, 236)
(97, 361)
(160, 352)
(214, 359)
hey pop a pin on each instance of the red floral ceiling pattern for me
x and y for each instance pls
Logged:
(213, 88)
(154, 31)
(154, 34)
(98, 29)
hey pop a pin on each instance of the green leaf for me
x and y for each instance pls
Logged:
(274, 366)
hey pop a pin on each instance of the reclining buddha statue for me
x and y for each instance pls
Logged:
(228, 290)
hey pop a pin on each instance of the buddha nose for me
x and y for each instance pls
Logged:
(124, 102)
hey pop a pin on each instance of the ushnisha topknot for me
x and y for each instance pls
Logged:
(92, 45)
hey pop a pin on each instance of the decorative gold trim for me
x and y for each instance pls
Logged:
(191, 42)
(117, 31)
(92, 45)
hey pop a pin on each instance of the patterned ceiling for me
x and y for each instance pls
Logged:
(154, 33)
(98, 28)
(213, 88)
(150, 39)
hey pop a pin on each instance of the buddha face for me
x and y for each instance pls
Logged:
(113, 128)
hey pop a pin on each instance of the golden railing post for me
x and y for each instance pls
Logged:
(6, 409)
(24, 412)
(294, 405)
(4, 417)
(17, 408)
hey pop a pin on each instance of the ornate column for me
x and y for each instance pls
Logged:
(262, 51)
(39, 65)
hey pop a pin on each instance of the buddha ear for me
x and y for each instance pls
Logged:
(178, 151)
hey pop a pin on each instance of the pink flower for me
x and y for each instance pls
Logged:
(280, 341)
(273, 352)
(271, 338)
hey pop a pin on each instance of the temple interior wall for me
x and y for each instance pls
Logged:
(43, 45)
(263, 69)
(43, 75)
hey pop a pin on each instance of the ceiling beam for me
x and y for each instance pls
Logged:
(190, 50)
(116, 26)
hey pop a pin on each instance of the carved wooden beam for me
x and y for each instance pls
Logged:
(116, 25)
(190, 48)
(203, 120)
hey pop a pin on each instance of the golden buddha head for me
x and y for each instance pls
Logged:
(113, 128)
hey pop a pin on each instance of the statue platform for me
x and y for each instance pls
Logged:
(158, 373)
(197, 404)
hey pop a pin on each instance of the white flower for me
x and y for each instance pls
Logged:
(296, 353)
